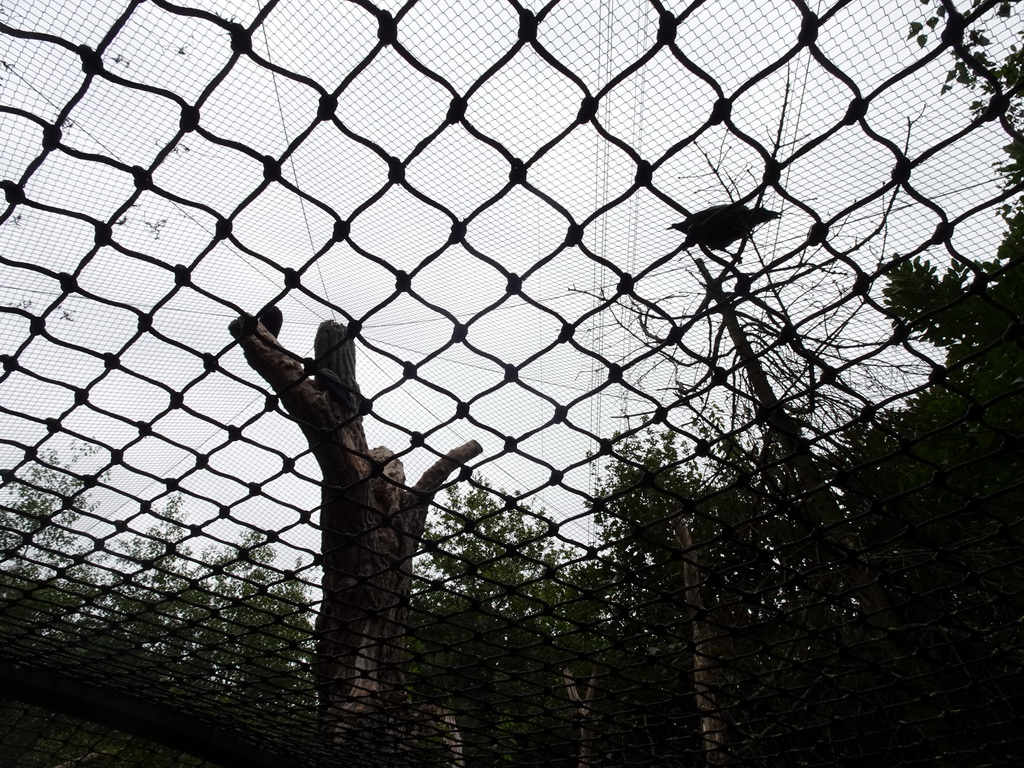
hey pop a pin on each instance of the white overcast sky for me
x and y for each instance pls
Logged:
(522, 105)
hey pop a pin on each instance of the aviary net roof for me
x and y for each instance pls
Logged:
(746, 490)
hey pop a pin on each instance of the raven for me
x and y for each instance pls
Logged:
(721, 225)
(346, 395)
(272, 319)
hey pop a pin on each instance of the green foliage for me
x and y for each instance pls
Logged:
(964, 431)
(653, 482)
(937, 480)
(39, 512)
(635, 587)
(969, 423)
(935, 484)
(977, 69)
(151, 605)
(639, 497)
(487, 639)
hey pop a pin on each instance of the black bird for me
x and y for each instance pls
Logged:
(272, 319)
(722, 225)
(348, 397)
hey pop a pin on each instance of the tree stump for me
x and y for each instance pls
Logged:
(371, 526)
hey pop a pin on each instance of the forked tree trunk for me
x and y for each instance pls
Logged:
(371, 526)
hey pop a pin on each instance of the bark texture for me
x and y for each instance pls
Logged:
(371, 525)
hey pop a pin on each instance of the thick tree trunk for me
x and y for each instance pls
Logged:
(371, 526)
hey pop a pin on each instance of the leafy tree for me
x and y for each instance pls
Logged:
(938, 479)
(973, 65)
(955, 448)
(935, 486)
(968, 424)
(636, 587)
(221, 625)
(681, 576)
(768, 621)
(492, 624)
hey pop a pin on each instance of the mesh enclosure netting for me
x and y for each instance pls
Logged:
(587, 383)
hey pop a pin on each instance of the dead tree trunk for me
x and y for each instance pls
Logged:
(584, 715)
(835, 567)
(706, 683)
(371, 527)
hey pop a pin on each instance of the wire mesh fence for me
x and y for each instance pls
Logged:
(690, 333)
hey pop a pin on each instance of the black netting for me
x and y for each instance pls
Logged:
(692, 335)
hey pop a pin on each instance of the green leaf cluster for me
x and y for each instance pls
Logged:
(221, 625)
(490, 624)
